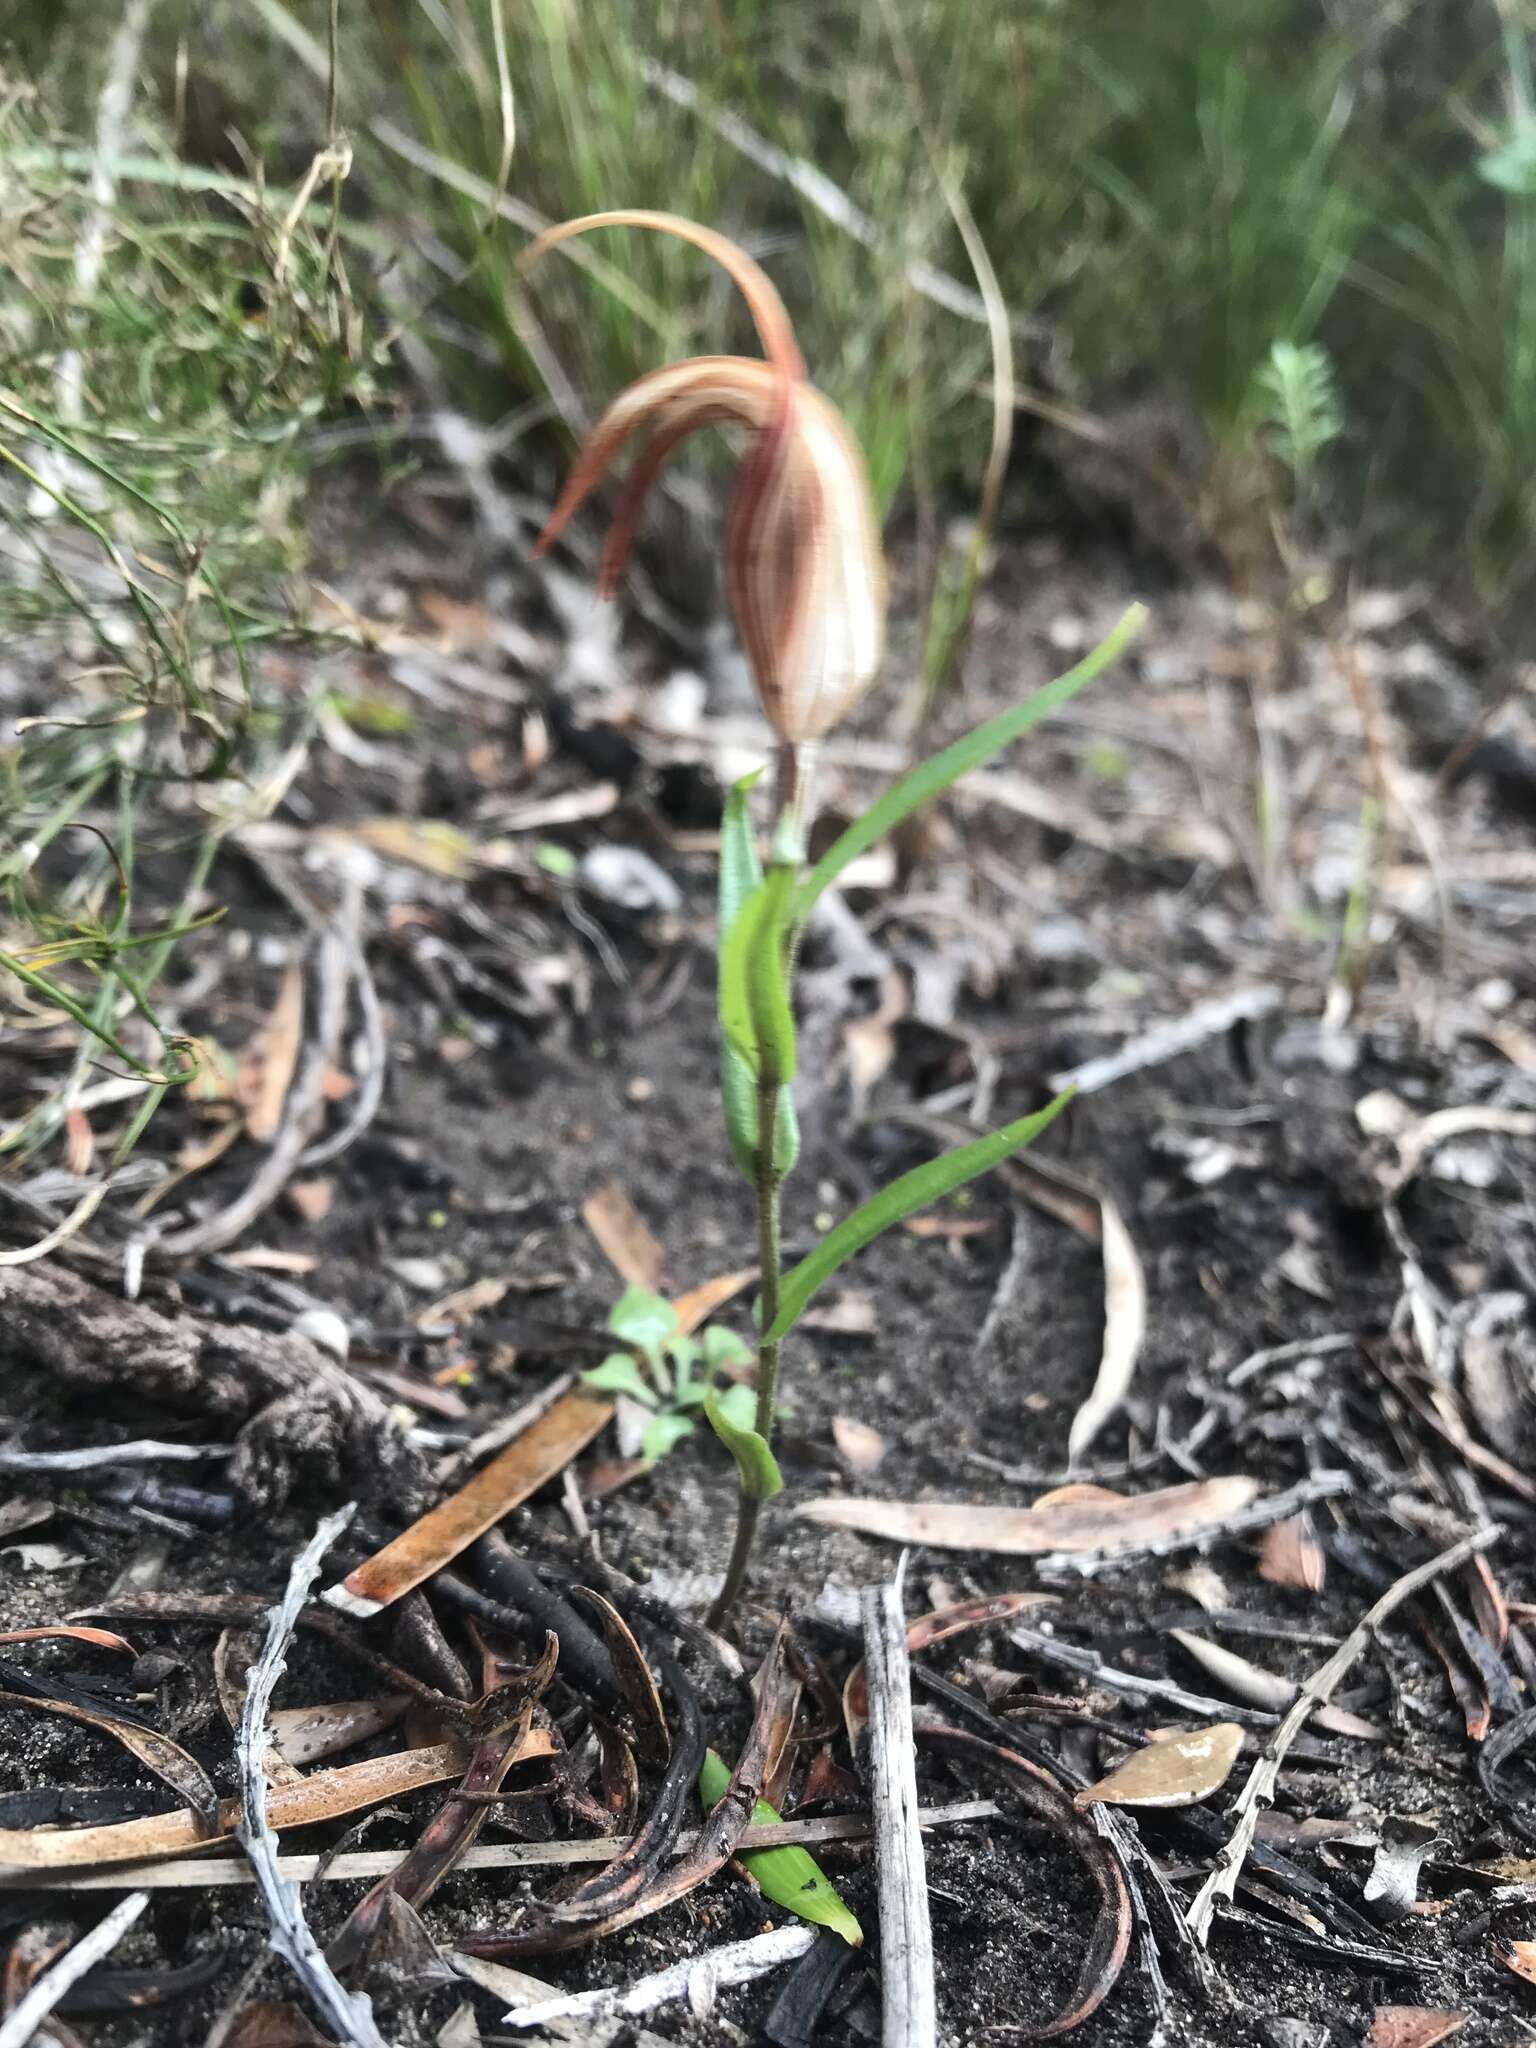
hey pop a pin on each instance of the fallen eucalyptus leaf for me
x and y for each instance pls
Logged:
(1179, 1771)
(1123, 1523)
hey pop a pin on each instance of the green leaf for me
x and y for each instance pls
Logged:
(790, 1876)
(914, 1190)
(619, 1374)
(662, 1434)
(740, 873)
(1512, 166)
(754, 990)
(932, 777)
(724, 1347)
(643, 1318)
(760, 1476)
(738, 1093)
(740, 868)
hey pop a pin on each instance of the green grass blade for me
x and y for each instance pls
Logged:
(914, 1190)
(932, 777)
(790, 1876)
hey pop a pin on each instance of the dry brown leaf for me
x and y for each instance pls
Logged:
(79, 1141)
(1519, 1956)
(1181, 1769)
(313, 1199)
(1258, 1687)
(98, 1638)
(1080, 1526)
(465, 628)
(266, 1066)
(464, 1304)
(861, 1448)
(325, 1796)
(1203, 1584)
(1074, 1490)
(544, 1449)
(269, 2023)
(624, 1238)
(1413, 2026)
(700, 1303)
(1290, 1555)
(308, 1735)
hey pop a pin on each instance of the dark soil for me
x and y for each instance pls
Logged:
(1241, 1172)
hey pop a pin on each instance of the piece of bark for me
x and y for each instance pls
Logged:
(300, 1413)
(908, 1999)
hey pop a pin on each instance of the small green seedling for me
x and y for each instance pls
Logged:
(790, 1875)
(672, 1374)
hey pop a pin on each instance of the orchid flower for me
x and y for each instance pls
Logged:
(803, 568)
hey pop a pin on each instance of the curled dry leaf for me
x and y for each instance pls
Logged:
(98, 1638)
(1257, 1687)
(1125, 1326)
(634, 1675)
(1290, 1555)
(1103, 1526)
(1413, 2026)
(1180, 1770)
(861, 1448)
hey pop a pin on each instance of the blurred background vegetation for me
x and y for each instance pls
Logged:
(1166, 194)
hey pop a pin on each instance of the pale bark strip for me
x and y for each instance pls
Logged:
(29, 2014)
(346, 2013)
(698, 1979)
(1259, 1791)
(909, 2006)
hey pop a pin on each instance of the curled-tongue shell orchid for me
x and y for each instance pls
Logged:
(803, 568)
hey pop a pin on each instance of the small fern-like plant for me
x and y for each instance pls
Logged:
(1302, 414)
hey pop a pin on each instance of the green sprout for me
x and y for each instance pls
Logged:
(671, 1373)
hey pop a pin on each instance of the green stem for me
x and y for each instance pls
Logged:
(769, 1256)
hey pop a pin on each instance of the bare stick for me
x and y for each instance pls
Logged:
(1259, 1791)
(908, 2002)
(697, 1978)
(1167, 1041)
(27, 2017)
(348, 2014)
(224, 1872)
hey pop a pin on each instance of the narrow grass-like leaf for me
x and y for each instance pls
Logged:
(761, 1478)
(790, 1876)
(754, 991)
(914, 1190)
(932, 777)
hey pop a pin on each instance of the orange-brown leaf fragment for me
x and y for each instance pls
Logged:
(623, 1236)
(861, 1448)
(1290, 1555)
(1181, 1770)
(1519, 1956)
(1413, 2026)
(543, 1450)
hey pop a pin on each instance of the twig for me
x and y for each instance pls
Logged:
(908, 2000)
(1090, 1665)
(1257, 1362)
(225, 1872)
(348, 2014)
(370, 1089)
(142, 1451)
(1259, 1791)
(26, 2018)
(1166, 1041)
(697, 1979)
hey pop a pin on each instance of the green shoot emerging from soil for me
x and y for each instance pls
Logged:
(670, 1373)
(807, 586)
